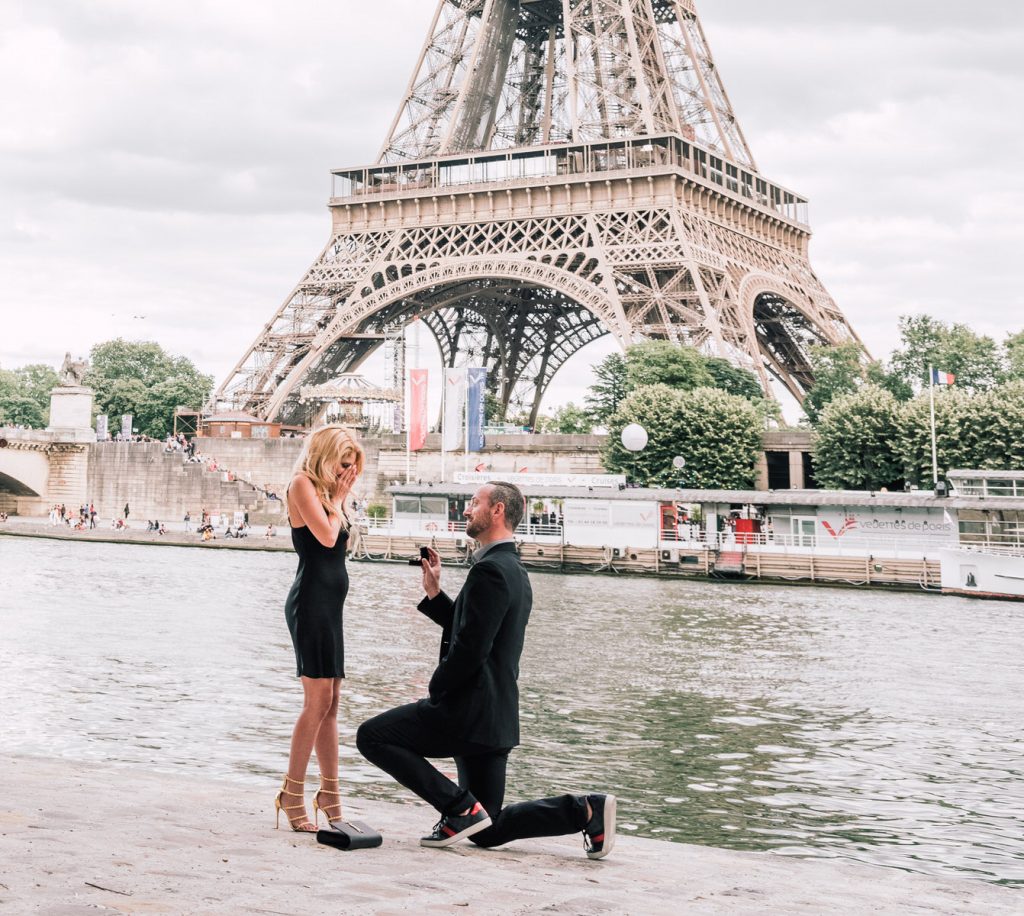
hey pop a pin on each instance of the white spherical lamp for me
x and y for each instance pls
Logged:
(634, 437)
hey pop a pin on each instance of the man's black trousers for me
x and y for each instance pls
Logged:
(398, 741)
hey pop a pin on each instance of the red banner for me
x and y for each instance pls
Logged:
(417, 409)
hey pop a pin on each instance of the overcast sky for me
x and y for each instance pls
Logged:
(164, 167)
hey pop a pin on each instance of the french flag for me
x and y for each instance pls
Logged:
(942, 378)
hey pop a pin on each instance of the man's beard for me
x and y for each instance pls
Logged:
(473, 528)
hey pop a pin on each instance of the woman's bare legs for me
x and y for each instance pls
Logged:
(326, 746)
(319, 698)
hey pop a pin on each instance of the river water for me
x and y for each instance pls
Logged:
(874, 726)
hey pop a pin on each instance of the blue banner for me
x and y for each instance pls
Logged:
(477, 385)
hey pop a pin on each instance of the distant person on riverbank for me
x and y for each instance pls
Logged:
(472, 711)
(271, 532)
(316, 499)
(188, 521)
(125, 513)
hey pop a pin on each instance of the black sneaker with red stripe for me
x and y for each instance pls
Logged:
(454, 827)
(599, 833)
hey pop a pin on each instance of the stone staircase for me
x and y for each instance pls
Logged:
(161, 485)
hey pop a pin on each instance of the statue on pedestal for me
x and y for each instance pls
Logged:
(72, 371)
(71, 403)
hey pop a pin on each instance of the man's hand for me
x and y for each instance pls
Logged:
(432, 573)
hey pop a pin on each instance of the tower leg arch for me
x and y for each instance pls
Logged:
(785, 322)
(578, 304)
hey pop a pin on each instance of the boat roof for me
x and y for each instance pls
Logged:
(918, 499)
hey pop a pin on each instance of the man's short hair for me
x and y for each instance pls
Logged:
(511, 497)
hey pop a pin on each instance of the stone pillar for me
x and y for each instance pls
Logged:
(69, 474)
(71, 413)
(796, 470)
(762, 471)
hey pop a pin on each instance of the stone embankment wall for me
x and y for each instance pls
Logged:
(159, 485)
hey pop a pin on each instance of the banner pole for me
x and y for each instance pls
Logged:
(931, 401)
(444, 417)
(408, 435)
(465, 454)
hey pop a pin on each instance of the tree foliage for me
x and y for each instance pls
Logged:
(843, 369)
(837, 370)
(661, 362)
(974, 359)
(719, 435)
(25, 395)
(867, 439)
(144, 380)
(727, 377)
(993, 429)
(1014, 349)
(914, 438)
(609, 389)
(568, 420)
(856, 441)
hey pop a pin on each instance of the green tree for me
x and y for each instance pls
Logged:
(856, 439)
(727, 377)
(1013, 347)
(609, 389)
(837, 370)
(843, 369)
(993, 429)
(25, 395)
(877, 374)
(719, 434)
(142, 379)
(974, 359)
(914, 436)
(567, 419)
(661, 362)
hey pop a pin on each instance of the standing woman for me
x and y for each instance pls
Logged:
(324, 474)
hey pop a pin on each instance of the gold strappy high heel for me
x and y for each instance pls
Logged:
(317, 807)
(278, 807)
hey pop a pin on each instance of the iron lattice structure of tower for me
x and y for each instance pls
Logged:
(558, 170)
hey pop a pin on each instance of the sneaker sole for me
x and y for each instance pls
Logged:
(461, 835)
(609, 829)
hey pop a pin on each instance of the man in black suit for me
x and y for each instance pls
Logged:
(472, 711)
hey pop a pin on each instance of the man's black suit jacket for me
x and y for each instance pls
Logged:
(474, 692)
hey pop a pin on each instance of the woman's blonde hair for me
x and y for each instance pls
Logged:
(325, 449)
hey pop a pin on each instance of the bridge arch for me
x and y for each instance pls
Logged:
(23, 472)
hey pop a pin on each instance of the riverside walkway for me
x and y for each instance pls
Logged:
(176, 536)
(79, 838)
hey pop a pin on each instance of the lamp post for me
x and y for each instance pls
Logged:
(679, 462)
(634, 439)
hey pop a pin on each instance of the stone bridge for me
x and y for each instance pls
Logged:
(39, 468)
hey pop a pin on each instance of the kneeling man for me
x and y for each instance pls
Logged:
(472, 712)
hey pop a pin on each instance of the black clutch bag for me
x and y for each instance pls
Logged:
(350, 835)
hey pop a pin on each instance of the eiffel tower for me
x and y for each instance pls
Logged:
(558, 170)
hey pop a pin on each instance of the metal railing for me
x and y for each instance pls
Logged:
(693, 538)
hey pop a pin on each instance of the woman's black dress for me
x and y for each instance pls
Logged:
(315, 604)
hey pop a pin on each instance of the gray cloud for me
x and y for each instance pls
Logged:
(172, 160)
